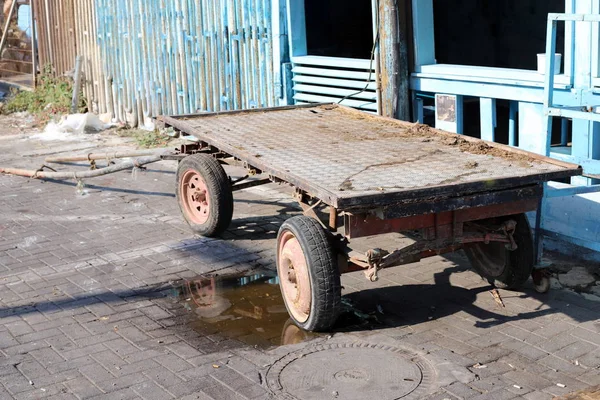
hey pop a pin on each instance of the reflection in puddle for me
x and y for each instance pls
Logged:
(247, 308)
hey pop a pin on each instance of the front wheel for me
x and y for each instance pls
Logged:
(503, 268)
(308, 274)
(204, 195)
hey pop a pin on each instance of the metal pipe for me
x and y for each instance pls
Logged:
(251, 184)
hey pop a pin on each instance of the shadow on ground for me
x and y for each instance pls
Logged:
(370, 309)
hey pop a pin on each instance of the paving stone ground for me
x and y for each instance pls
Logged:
(85, 310)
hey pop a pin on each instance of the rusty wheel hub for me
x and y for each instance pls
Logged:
(294, 277)
(194, 194)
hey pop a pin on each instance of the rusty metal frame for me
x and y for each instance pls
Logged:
(440, 232)
(445, 242)
(496, 204)
(197, 148)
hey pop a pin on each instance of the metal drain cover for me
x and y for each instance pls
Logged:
(350, 371)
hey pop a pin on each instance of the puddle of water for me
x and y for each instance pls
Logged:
(247, 308)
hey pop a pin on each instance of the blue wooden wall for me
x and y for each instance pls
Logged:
(184, 56)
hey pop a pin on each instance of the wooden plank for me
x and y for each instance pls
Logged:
(497, 91)
(311, 98)
(337, 62)
(334, 73)
(490, 80)
(343, 83)
(350, 93)
(490, 72)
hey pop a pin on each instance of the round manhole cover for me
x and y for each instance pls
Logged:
(350, 371)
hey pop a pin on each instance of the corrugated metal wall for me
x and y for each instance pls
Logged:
(142, 59)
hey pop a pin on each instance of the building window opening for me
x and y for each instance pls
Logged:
(339, 28)
(503, 34)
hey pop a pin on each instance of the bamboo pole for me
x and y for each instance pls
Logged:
(76, 85)
(82, 174)
(7, 25)
(105, 156)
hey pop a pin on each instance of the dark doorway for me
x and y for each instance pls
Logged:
(500, 33)
(339, 28)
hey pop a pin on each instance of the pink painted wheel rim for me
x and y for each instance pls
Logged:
(194, 196)
(294, 277)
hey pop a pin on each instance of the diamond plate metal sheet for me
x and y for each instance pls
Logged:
(338, 154)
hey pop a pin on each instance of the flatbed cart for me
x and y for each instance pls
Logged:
(371, 175)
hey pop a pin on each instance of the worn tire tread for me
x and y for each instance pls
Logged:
(323, 271)
(519, 263)
(219, 189)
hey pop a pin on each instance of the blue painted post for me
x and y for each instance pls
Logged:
(288, 88)
(585, 134)
(417, 103)
(297, 27)
(549, 85)
(512, 123)
(488, 119)
(423, 35)
(564, 132)
(532, 127)
(539, 228)
(545, 143)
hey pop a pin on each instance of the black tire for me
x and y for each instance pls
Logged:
(323, 272)
(501, 267)
(219, 193)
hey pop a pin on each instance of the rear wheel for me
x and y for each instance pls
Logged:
(308, 274)
(504, 268)
(204, 194)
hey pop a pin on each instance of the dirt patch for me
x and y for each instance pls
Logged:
(328, 107)
(482, 148)
(427, 134)
(21, 123)
(347, 136)
(587, 394)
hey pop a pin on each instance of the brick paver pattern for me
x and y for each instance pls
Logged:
(86, 309)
